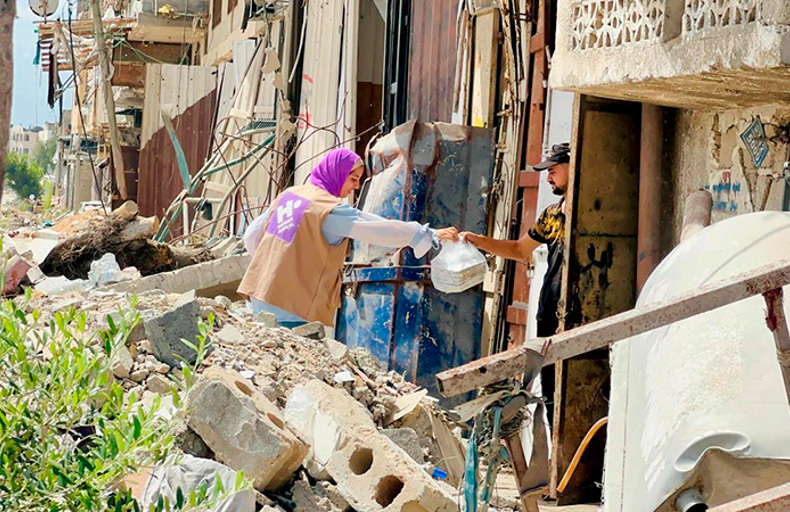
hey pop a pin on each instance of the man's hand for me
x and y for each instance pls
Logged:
(447, 234)
(519, 250)
(472, 238)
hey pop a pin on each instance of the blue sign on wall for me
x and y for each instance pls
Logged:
(754, 139)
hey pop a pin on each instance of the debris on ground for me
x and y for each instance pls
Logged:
(313, 424)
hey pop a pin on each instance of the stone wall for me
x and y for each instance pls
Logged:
(705, 151)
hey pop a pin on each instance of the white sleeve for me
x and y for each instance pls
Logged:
(371, 228)
(254, 233)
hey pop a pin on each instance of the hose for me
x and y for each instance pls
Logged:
(579, 452)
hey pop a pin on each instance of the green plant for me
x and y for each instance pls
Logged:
(23, 176)
(49, 193)
(43, 154)
(68, 432)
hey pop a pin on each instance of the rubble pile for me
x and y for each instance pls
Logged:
(123, 233)
(89, 250)
(316, 426)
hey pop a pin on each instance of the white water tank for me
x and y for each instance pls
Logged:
(701, 403)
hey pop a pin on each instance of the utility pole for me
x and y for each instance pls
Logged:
(7, 15)
(109, 101)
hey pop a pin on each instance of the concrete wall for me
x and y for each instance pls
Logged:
(705, 151)
(674, 53)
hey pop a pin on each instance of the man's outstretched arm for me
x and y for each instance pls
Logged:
(519, 250)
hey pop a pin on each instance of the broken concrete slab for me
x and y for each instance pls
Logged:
(244, 429)
(159, 384)
(324, 497)
(189, 442)
(312, 330)
(408, 440)
(229, 335)
(326, 418)
(209, 279)
(122, 362)
(267, 319)
(337, 350)
(166, 332)
(372, 473)
(375, 474)
(139, 375)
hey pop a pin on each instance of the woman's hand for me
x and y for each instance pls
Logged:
(447, 234)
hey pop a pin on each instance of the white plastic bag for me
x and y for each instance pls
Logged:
(458, 267)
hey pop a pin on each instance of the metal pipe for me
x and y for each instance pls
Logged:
(691, 500)
(696, 213)
(649, 234)
(621, 326)
(234, 188)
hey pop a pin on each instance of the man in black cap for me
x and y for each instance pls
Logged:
(549, 229)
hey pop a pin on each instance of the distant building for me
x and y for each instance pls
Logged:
(23, 140)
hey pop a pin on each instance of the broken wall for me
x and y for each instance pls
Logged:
(705, 151)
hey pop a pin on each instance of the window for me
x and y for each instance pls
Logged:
(27, 138)
(216, 13)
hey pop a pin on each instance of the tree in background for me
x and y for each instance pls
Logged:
(44, 153)
(23, 176)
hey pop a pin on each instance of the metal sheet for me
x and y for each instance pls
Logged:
(433, 51)
(188, 95)
(430, 173)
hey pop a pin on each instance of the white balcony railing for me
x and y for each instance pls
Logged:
(600, 24)
(700, 15)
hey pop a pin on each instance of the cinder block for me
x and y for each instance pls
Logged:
(372, 473)
(244, 429)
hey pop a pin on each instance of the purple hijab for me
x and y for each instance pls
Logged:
(332, 172)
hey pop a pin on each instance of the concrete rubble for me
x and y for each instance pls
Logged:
(313, 424)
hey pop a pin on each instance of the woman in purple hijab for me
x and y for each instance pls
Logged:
(333, 171)
(286, 276)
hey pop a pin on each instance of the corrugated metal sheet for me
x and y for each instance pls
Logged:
(190, 92)
(432, 60)
(321, 83)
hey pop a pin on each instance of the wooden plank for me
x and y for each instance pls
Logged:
(776, 499)
(517, 314)
(143, 52)
(157, 29)
(601, 334)
(128, 75)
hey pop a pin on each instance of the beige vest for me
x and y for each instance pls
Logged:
(294, 267)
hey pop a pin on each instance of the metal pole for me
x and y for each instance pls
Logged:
(649, 233)
(109, 101)
(777, 323)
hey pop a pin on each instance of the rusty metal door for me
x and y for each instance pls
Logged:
(599, 276)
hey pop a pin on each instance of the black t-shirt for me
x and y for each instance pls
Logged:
(550, 230)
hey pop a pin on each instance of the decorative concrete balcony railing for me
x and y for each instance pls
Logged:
(693, 53)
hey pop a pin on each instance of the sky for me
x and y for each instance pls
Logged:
(29, 105)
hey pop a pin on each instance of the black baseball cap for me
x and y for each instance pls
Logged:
(559, 154)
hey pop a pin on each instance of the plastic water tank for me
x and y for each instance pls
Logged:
(709, 386)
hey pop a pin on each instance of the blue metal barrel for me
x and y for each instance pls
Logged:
(431, 173)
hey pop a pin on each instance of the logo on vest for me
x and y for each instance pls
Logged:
(287, 216)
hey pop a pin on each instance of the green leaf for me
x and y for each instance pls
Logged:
(138, 428)
(179, 499)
